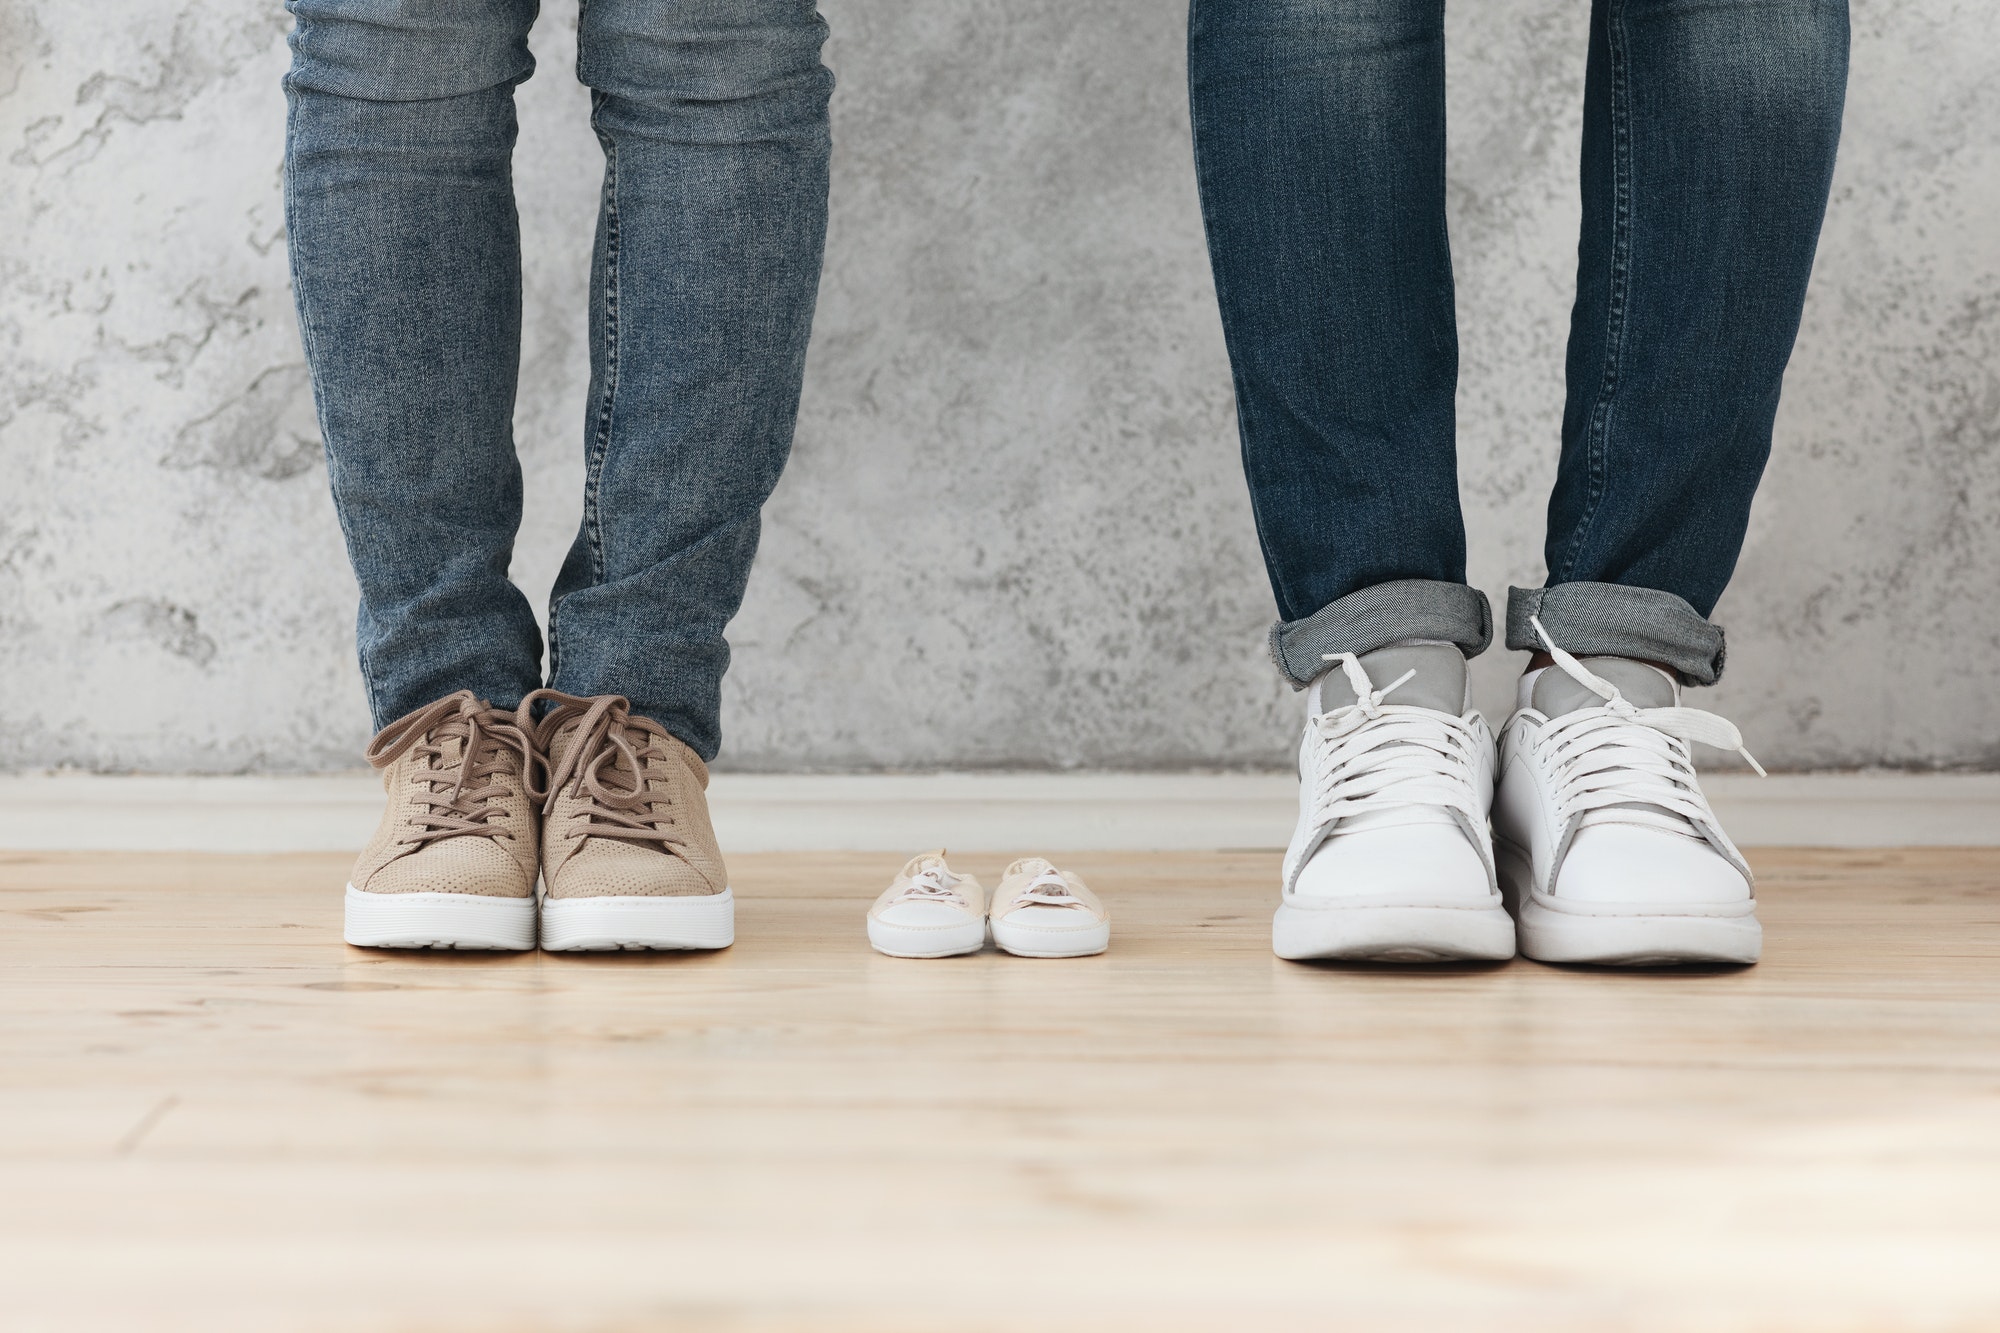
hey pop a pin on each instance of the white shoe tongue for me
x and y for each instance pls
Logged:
(1439, 682)
(1643, 686)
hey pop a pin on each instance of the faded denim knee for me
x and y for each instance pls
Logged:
(409, 50)
(718, 72)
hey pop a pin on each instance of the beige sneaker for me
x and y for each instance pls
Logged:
(453, 863)
(929, 912)
(629, 859)
(1042, 912)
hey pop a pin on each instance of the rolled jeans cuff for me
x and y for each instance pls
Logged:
(1378, 616)
(1612, 620)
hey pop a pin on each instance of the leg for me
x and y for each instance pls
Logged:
(406, 267)
(1319, 146)
(1709, 137)
(1319, 142)
(1709, 133)
(712, 114)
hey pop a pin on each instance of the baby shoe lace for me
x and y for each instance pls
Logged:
(459, 784)
(605, 767)
(1623, 756)
(931, 883)
(1377, 757)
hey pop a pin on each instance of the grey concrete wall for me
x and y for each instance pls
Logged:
(1014, 532)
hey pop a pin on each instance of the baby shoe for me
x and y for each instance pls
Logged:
(929, 912)
(1042, 912)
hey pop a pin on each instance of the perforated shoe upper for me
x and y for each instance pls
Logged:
(626, 813)
(460, 815)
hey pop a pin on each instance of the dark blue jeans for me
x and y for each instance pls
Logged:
(407, 270)
(1709, 134)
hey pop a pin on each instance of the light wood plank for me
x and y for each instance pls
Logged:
(214, 1115)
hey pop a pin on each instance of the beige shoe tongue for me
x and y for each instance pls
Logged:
(923, 861)
(566, 737)
(559, 743)
(1029, 865)
(1439, 682)
(1556, 693)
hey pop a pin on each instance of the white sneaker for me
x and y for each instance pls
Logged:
(929, 912)
(1042, 912)
(1391, 859)
(1608, 851)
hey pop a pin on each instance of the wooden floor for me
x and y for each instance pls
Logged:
(214, 1115)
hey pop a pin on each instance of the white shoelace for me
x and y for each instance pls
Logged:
(1378, 758)
(931, 884)
(1623, 755)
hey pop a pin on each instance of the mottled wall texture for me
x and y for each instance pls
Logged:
(1014, 533)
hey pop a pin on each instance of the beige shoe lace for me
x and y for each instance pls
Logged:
(458, 795)
(607, 745)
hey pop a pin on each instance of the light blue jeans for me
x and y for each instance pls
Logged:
(406, 266)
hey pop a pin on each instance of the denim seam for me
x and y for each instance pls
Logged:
(1448, 287)
(1599, 427)
(600, 437)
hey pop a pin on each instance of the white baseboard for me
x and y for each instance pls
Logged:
(984, 812)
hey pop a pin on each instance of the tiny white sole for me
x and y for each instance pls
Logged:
(1393, 934)
(438, 921)
(926, 942)
(704, 921)
(1035, 942)
(1641, 937)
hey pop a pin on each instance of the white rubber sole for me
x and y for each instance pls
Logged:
(704, 921)
(438, 921)
(1383, 934)
(1625, 935)
(927, 942)
(1037, 942)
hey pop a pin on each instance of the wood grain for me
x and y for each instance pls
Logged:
(215, 1115)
